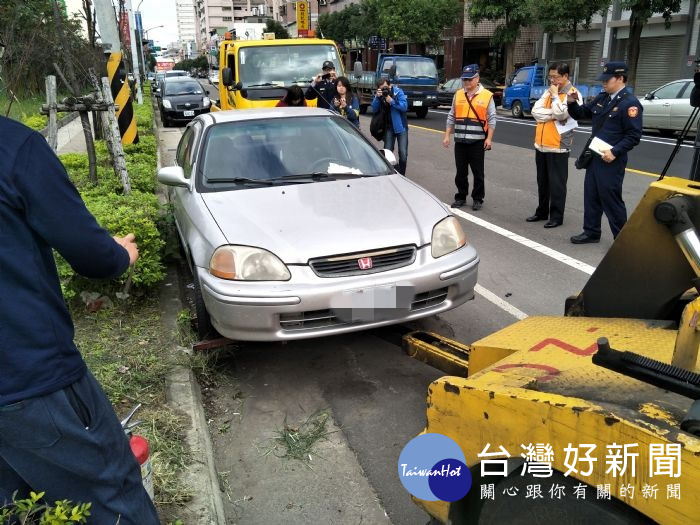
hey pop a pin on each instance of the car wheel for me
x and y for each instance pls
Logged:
(164, 119)
(517, 110)
(422, 112)
(363, 109)
(203, 324)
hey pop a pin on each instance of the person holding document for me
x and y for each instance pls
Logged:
(616, 128)
(554, 137)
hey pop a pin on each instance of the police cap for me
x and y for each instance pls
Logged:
(611, 69)
(328, 65)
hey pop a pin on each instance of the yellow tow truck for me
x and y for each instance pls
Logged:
(255, 73)
(619, 371)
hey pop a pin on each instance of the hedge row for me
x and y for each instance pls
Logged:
(139, 212)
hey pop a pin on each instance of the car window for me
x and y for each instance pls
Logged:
(182, 88)
(454, 84)
(521, 77)
(671, 90)
(685, 92)
(184, 151)
(266, 149)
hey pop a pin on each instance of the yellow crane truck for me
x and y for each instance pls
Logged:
(255, 73)
(618, 371)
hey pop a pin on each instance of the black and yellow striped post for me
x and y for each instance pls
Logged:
(122, 98)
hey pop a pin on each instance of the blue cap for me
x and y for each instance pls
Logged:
(470, 71)
(611, 69)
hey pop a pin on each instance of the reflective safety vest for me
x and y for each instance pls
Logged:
(546, 134)
(467, 125)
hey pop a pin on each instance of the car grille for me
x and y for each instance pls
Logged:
(326, 318)
(349, 264)
(185, 107)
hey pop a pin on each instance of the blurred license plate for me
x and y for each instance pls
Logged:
(189, 113)
(373, 304)
(417, 102)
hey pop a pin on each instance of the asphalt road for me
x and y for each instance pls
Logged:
(373, 391)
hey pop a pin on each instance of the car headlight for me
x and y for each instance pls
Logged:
(246, 263)
(166, 104)
(206, 102)
(448, 236)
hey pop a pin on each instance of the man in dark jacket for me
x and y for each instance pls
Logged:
(58, 431)
(323, 86)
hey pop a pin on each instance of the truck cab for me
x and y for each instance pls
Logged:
(255, 73)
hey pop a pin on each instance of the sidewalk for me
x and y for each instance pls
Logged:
(183, 394)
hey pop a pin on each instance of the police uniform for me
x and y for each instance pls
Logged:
(325, 90)
(617, 121)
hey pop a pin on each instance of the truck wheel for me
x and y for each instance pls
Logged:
(363, 109)
(517, 109)
(422, 112)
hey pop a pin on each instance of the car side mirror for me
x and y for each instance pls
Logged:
(226, 76)
(649, 96)
(390, 157)
(238, 86)
(392, 74)
(357, 69)
(173, 176)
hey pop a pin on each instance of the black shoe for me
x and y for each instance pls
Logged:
(553, 224)
(584, 238)
(477, 205)
(458, 203)
(535, 218)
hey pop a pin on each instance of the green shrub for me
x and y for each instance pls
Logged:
(147, 144)
(36, 122)
(74, 161)
(34, 510)
(142, 175)
(136, 213)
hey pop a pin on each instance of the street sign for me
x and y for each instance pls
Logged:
(377, 42)
(303, 18)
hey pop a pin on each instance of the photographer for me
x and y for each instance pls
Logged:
(323, 86)
(393, 102)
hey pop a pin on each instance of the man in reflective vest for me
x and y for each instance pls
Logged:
(472, 119)
(553, 141)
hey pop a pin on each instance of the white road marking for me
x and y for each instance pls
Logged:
(503, 305)
(541, 248)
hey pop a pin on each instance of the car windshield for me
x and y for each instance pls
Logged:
(182, 88)
(412, 67)
(274, 67)
(292, 150)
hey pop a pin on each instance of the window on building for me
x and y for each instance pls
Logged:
(226, 18)
(226, 8)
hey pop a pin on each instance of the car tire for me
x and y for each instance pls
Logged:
(363, 109)
(203, 325)
(517, 109)
(164, 119)
(422, 112)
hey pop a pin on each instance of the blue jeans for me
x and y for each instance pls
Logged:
(71, 445)
(389, 139)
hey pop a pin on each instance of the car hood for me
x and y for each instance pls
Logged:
(302, 221)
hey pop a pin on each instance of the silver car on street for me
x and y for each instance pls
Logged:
(668, 107)
(295, 226)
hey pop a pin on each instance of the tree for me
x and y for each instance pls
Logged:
(355, 22)
(417, 21)
(273, 26)
(553, 15)
(641, 12)
(510, 16)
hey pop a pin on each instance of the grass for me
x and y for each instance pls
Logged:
(297, 442)
(22, 108)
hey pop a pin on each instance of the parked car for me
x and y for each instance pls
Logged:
(181, 99)
(295, 226)
(446, 91)
(214, 76)
(155, 84)
(667, 108)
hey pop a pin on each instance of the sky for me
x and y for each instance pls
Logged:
(155, 13)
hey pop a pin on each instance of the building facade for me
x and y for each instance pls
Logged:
(186, 28)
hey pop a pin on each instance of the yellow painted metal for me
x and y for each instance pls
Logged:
(121, 93)
(549, 391)
(444, 354)
(685, 354)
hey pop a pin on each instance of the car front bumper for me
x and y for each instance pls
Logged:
(309, 306)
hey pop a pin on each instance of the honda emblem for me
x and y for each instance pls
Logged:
(365, 263)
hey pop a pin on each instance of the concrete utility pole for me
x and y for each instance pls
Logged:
(134, 53)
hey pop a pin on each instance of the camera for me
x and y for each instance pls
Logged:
(386, 92)
(326, 76)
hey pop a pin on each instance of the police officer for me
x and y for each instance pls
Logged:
(323, 86)
(617, 120)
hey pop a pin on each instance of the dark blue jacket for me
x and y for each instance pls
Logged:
(40, 209)
(621, 127)
(324, 91)
(399, 107)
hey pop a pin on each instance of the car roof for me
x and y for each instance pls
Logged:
(238, 115)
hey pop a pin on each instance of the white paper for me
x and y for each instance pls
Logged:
(568, 125)
(599, 146)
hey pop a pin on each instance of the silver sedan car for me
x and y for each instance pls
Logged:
(295, 226)
(668, 107)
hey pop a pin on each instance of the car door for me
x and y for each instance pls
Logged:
(181, 198)
(681, 108)
(657, 107)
